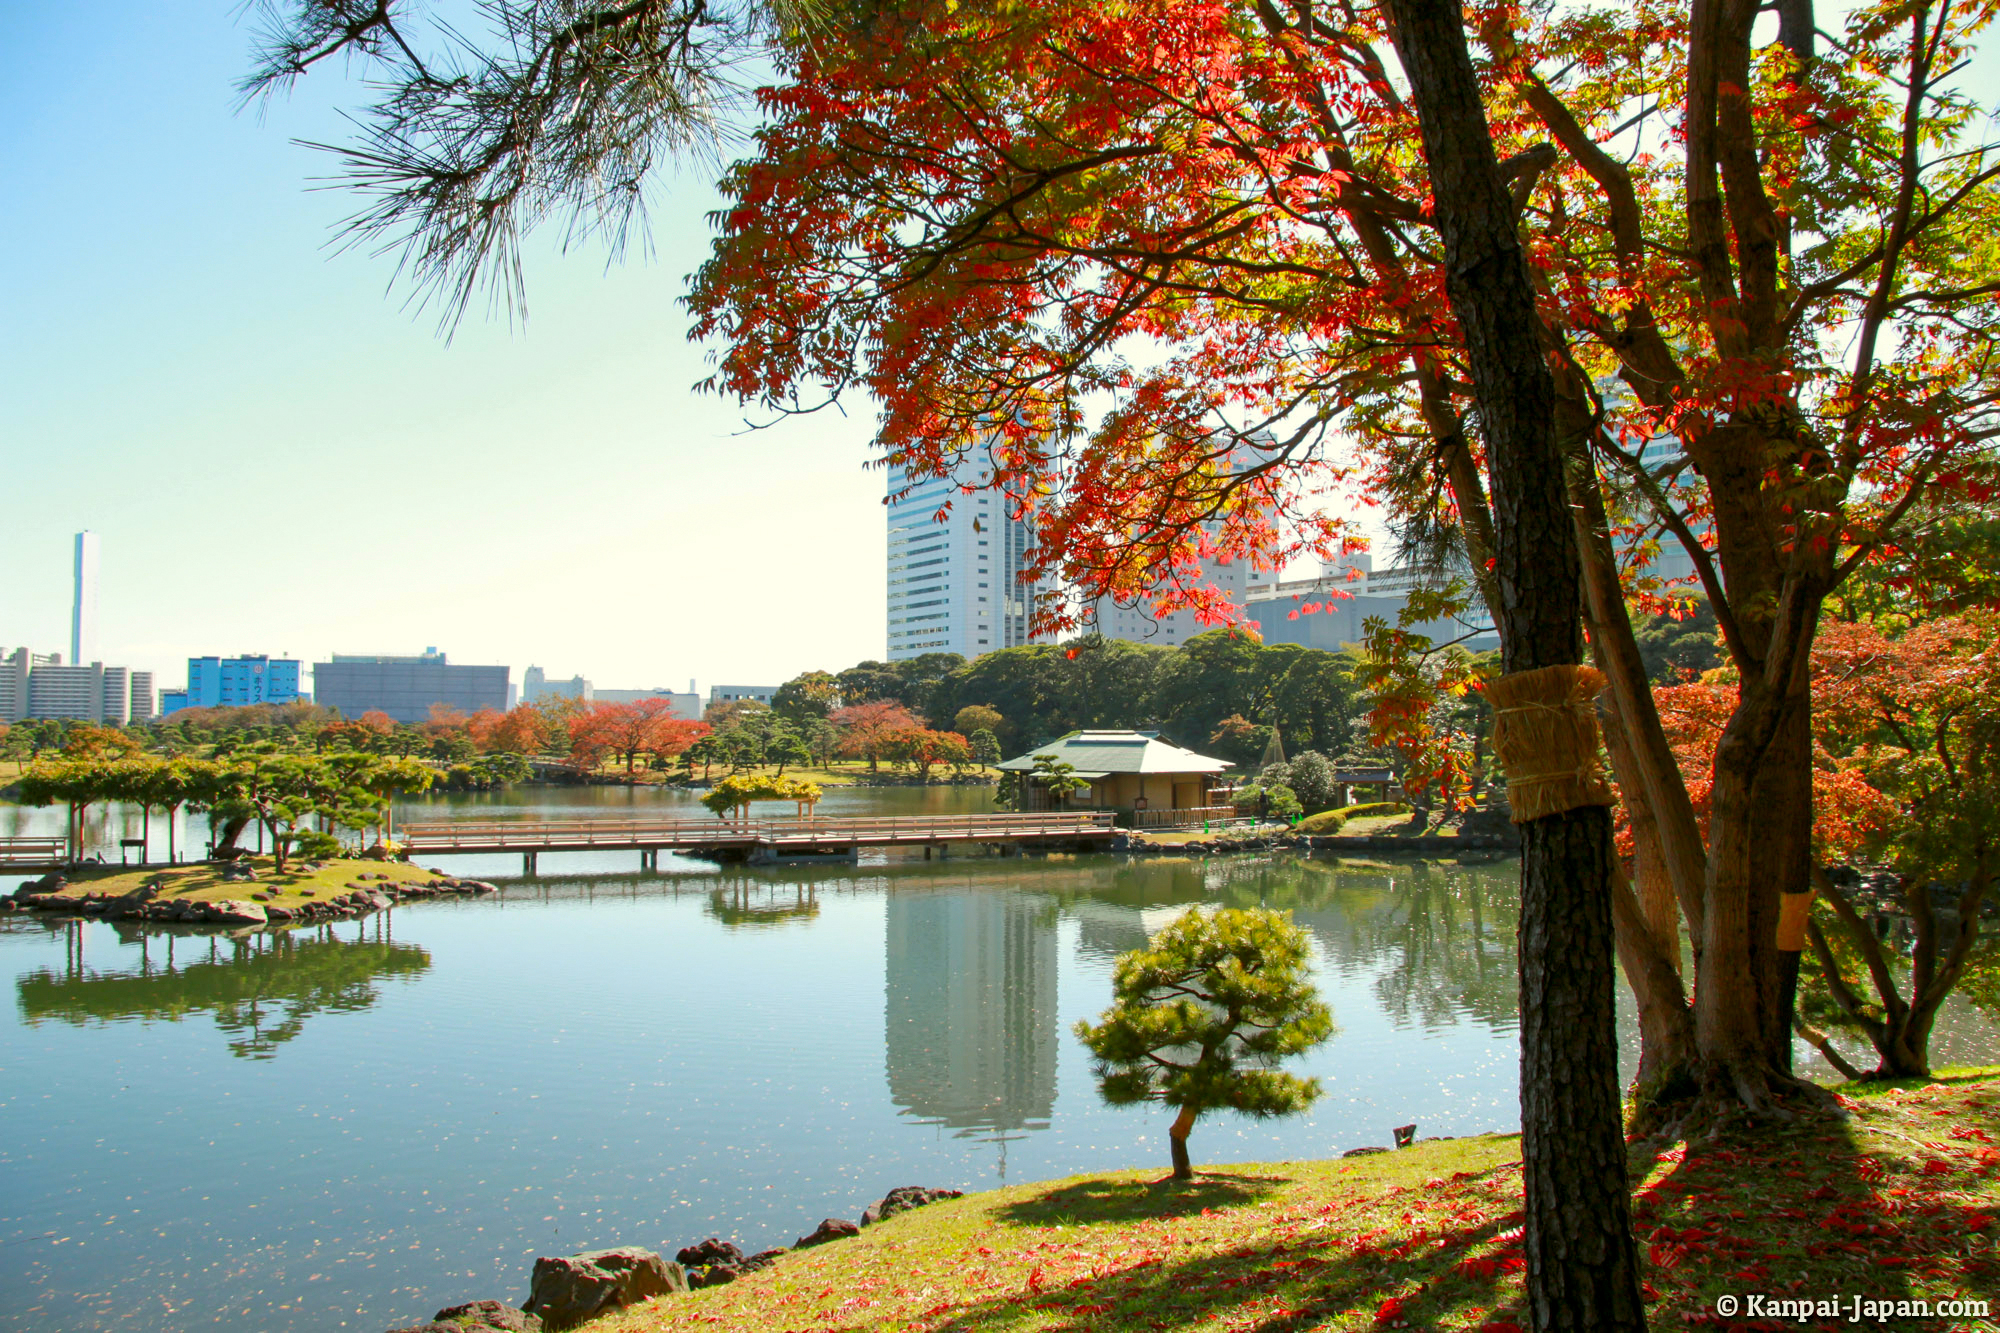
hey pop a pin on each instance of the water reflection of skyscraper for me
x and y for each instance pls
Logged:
(971, 1010)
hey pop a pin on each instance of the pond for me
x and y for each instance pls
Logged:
(350, 1126)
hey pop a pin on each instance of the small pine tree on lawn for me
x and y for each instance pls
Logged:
(1202, 1017)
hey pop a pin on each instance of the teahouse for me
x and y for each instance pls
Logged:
(1134, 771)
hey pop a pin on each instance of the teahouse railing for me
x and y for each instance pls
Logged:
(1185, 817)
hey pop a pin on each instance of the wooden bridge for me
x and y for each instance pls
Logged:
(760, 839)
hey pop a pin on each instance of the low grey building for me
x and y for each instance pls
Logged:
(407, 688)
(1327, 612)
(94, 693)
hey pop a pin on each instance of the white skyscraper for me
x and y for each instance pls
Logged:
(953, 586)
(83, 610)
(1137, 622)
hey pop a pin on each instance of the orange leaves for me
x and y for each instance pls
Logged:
(644, 726)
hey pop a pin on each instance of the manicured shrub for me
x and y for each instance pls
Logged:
(1329, 822)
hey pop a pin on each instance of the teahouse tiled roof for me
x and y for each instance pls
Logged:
(1097, 754)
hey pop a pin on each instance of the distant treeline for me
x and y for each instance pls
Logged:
(1220, 692)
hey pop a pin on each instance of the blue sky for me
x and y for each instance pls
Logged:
(280, 458)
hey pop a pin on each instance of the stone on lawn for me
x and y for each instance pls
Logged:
(902, 1199)
(566, 1291)
(481, 1315)
(833, 1228)
(714, 1250)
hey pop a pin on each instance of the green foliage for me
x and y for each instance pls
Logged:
(1269, 799)
(1237, 739)
(1306, 694)
(976, 717)
(313, 845)
(280, 790)
(1676, 651)
(1324, 824)
(1424, 700)
(1202, 1017)
(487, 771)
(1190, 693)
(813, 694)
(1058, 777)
(735, 793)
(1329, 822)
(1044, 690)
(913, 683)
(1311, 775)
(985, 747)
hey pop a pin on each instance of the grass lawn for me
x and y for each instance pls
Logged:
(202, 881)
(1380, 825)
(1897, 1202)
(1181, 837)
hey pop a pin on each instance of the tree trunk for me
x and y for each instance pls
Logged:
(1582, 1265)
(1760, 825)
(1650, 773)
(232, 829)
(1177, 1137)
(1582, 1262)
(1647, 929)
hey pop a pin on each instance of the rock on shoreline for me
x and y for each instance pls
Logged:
(570, 1290)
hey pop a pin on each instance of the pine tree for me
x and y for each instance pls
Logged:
(1203, 1015)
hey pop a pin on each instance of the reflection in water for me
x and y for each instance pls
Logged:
(261, 988)
(751, 902)
(971, 1010)
(1436, 940)
(1438, 937)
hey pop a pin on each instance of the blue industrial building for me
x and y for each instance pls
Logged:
(232, 682)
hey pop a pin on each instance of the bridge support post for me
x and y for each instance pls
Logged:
(527, 863)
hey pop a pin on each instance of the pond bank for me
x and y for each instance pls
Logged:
(248, 891)
(1228, 841)
(1877, 1206)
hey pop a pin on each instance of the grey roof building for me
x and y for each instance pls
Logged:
(1126, 770)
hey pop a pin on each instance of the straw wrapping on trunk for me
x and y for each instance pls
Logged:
(1545, 735)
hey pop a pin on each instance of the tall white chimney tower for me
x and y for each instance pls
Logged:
(83, 611)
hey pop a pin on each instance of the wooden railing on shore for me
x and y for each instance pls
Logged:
(1186, 817)
(32, 853)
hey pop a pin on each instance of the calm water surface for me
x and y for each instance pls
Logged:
(348, 1127)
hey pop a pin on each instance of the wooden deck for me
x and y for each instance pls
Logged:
(749, 838)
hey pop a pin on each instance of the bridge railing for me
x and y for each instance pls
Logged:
(445, 835)
(916, 827)
(33, 851)
(576, 833)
